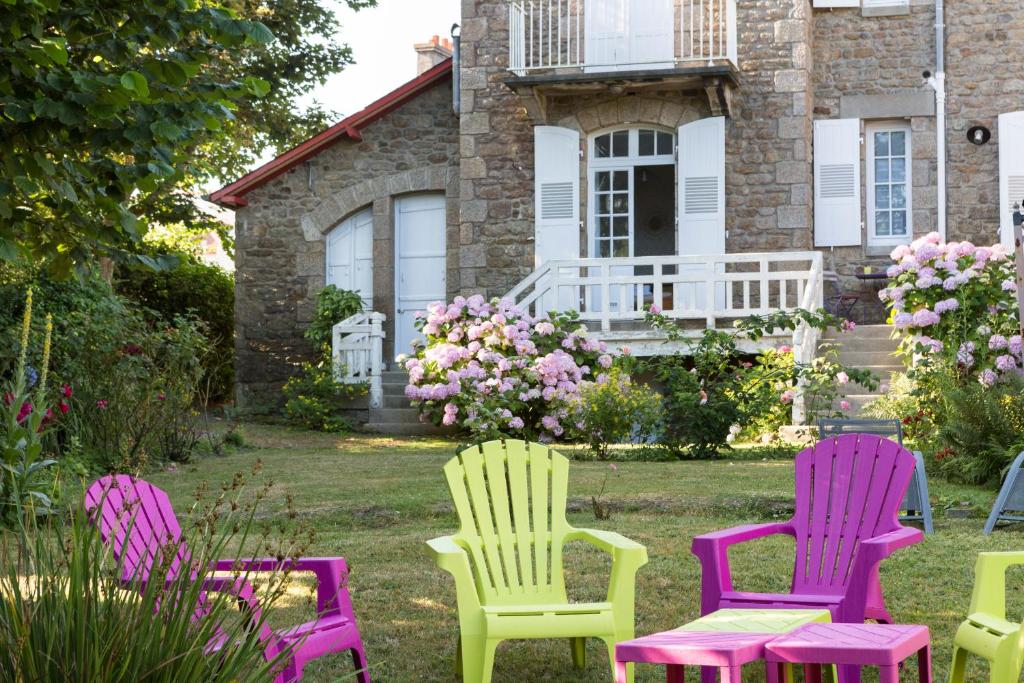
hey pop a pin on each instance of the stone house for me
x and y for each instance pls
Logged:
(717, 157)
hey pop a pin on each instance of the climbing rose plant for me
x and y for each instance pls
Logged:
(494, 370)
(955, 306)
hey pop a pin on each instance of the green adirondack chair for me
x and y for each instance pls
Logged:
(506, 558)
(986, 632)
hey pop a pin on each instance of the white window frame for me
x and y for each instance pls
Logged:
(869, 161)
(625, 163)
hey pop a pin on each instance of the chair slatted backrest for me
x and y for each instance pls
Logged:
(848, 489)
(138, 520)
(510, 498)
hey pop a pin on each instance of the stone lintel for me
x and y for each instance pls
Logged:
(890, 105)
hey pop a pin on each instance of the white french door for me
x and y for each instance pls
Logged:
(629, 34)
(350, 256)
(420, 264)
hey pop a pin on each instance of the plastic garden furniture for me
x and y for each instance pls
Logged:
(506, 558)
(986, 631)
(725, 640)
(1010, 498)
(848, 492)
(858, 645)
(137, 519)
(916, 504)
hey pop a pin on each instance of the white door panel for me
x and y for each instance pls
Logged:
(420, 266)
(350, 256)
(1011, 171)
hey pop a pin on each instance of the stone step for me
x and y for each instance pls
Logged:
(863, 332)
(405, 414)
(858, 359)
(395, 400)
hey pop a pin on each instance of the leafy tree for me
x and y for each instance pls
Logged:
(113, 111)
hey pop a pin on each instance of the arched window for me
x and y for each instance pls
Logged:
(350, 256)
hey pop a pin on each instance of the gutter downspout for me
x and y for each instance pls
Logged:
(457, 69)
(939, 85)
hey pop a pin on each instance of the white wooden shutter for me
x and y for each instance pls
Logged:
(1011, 171)
(836, 3)
(651, 34)
(701, 188)
(606, 36)
(837, 183)
(557, 193)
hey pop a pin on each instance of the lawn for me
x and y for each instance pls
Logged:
(375, 500)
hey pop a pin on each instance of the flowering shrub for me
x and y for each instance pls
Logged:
(615, 411)
(955, 305)
(494, 370)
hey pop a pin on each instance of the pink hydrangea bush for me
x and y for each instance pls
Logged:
(492, 369)
(955, 304)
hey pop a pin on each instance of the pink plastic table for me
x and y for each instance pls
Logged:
(723, 640)
(881, 645)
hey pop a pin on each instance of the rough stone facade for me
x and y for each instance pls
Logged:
(280, 235)
(797, 64)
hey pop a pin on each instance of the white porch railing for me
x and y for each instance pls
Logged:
(806, 338)
(357, 351)
(552, 34)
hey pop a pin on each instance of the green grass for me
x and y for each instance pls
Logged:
(376, 500)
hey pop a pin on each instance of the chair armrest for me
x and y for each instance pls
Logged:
(989, 594)
(627, 558)
(713, 552)
(453, 558)
(878, 548)
(331, 577)
(864, 571)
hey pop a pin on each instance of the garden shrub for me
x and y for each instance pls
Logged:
(312, 398)
(192, 289)
(495, 371)
(615, 411)
(954, 306)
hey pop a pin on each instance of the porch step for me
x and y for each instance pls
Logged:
(396, 416)
(868, 347)
(405, 429)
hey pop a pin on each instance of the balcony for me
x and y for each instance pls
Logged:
(572, 47)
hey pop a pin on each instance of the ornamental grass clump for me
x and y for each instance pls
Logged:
(496, 371)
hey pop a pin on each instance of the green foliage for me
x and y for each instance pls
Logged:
(615, 411)
(332, 306)
(104, 103)
(62, 617)
(713, 394)
(315, 401)
(115, 111)
(192, 289)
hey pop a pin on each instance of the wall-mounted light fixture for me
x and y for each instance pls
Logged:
(979, 135)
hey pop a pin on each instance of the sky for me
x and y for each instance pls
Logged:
(381, 39)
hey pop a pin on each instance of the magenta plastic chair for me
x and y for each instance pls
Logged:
(848, 494)
(138, 520)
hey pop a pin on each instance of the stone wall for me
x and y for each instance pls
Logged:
(984, 78)
(768, 164)
(280, 235)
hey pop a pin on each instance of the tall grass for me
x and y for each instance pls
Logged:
(70, 611)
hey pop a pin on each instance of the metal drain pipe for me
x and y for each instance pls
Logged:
(456, 69)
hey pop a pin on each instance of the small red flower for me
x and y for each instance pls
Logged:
(102, 404)
(64, 407)
(65, 391)
(26, 410)
(160, 397)
(8, 398)
(47, 419)
(132, 350)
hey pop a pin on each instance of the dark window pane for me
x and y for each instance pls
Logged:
(603, 204)
(646, 143)
(604, 249)
(604, 181)
(621, 180)
(620, 203)
(664, 143)
(621, 248)
(620, 143)
(621, 226)
(603, 227)
(602, 145)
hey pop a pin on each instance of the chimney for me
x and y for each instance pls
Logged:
(432, 53)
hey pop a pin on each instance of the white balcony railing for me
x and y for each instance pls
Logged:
(611, 35)
(357, 352)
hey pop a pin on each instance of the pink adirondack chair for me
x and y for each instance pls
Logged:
(138, 520)
(848, 493)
